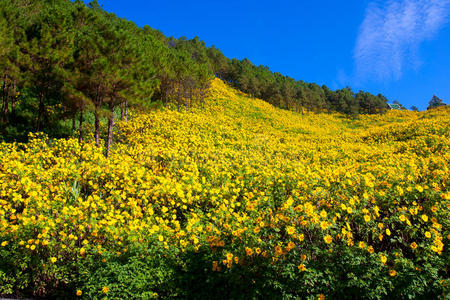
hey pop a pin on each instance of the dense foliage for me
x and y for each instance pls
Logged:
(65, 63)
(435, 102)
(63, 60)
(240, 200)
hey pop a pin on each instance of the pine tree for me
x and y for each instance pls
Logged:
(435, 102)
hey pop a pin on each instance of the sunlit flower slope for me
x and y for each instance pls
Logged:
(242, 179)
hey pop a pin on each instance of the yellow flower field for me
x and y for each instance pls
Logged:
(252, 186)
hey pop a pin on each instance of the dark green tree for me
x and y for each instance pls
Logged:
(435, 102)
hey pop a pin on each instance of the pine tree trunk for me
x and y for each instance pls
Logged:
(109, 139)
(5, 93)
(202, 99)
(122, 111)
(80, 138)
(40, 112)
(73, 121)
(13, 102)
(126, 111)
(97, 129)
(191, 98)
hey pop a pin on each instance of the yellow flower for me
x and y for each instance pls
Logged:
(392, 273)
(290, 230)
(278, 250)
(290, 246)
(324, 225)
(301, 267)
(79, 293)
(215, 265)
(328, 239)
(105, 290)
(157, 190)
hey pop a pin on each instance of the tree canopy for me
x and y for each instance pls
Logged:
(435, 102)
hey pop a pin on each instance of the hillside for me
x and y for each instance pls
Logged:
(236, 200)
(67, 64)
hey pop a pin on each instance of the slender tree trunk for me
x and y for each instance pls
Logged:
(126, 111)
(178, 96)
(40, 111)
(97, 128)
(202, 98)
(122, 111)
(5, 92)
(73, 121)
(8, 96)
(191, 97)
(109, 139)
(188, 99)
(80, 138)
(97, 119)
(13, 101)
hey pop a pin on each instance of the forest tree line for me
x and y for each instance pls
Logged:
(277, 89)
(65, 63)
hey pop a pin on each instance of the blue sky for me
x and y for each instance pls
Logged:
(400, 48)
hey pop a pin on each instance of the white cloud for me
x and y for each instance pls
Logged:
(391, 33)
